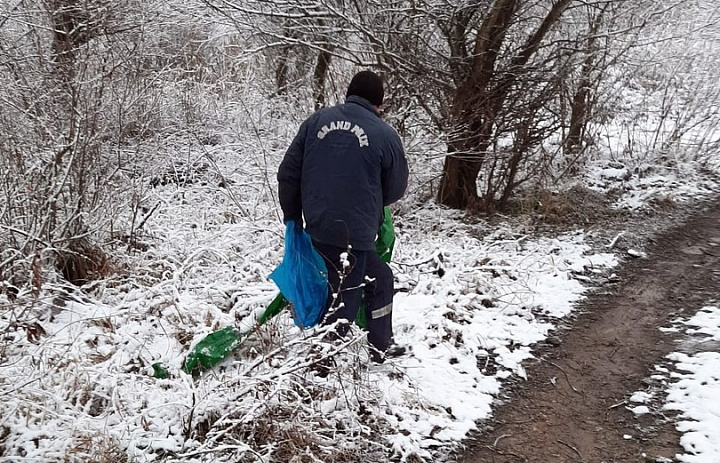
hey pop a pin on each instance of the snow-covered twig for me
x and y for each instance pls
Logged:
(615, 240)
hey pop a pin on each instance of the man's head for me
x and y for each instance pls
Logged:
(368, 85)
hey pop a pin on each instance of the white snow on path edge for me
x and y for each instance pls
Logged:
(695, 390)
(692, 387)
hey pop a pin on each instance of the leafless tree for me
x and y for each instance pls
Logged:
(500, 78)
(58, 70)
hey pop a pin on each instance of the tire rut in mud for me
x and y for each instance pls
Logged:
(572, 407)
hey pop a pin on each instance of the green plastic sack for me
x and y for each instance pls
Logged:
(383, 247)
(219, 344)
(211, 350)
(275, 307)
(386, 237)
(160, 371)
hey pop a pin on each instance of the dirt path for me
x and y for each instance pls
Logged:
(573, 407)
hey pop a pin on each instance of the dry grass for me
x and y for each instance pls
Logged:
(577, 206)
(95, 448)
(290, 421)
(82, 263)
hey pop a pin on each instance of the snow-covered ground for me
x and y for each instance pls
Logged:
(77, 380)
(472, 301)
(691, 387)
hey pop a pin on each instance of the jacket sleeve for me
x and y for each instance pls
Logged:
(394, 170)
(290, 176)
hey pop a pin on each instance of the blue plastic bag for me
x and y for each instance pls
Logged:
(302, 277)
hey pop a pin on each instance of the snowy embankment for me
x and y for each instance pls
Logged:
(690, 387)
(471, 305)
(77, 366)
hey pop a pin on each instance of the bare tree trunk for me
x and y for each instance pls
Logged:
(319, 76)
(472, 114)
(579, 114)
(581, 106)
(459, 182)
(481, 97)
(281, 73)
(63, 44)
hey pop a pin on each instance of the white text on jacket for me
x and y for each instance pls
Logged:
(345, 125)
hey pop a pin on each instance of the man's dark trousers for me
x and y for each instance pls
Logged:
(378, 291)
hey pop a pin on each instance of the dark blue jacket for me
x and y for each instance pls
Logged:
(343, 166)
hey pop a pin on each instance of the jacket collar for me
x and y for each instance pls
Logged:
(362, 102)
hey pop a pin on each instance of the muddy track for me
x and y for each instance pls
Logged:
(572, 409)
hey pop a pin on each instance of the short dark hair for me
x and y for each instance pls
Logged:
(368, 85)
